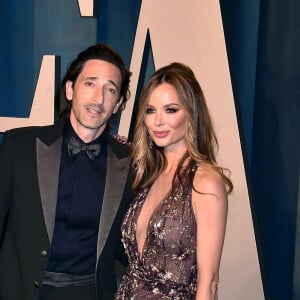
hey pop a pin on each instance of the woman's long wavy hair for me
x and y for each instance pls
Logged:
(200, 138)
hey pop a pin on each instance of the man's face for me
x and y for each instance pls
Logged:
(95, 97)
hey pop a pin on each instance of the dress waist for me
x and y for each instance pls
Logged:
(160, 283)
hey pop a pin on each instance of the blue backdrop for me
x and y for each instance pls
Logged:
(263, 44)
(262, 38)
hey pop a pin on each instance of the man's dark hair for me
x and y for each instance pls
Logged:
(102, 52)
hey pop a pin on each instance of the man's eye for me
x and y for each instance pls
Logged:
(89, 83)
(111, 90)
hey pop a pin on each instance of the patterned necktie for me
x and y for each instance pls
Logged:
(74, 147)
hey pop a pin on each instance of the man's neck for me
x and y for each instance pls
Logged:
(87, 135)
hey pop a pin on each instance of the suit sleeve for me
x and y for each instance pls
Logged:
(6, 179)
(127, 199)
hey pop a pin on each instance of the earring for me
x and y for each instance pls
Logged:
(150, 142)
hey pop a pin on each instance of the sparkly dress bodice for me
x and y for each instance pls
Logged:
(166, 269)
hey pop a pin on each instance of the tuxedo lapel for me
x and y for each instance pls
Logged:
(48, 162)
(116, 176)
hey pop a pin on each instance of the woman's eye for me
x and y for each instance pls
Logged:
(149, 110)
(172, 110)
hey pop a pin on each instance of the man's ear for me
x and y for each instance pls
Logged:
(69, 90)
(117, 105)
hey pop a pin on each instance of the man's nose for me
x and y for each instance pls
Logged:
(98, 95)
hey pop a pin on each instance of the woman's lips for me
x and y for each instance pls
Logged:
(160, 134)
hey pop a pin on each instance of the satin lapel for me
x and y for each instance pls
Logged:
(116, 175)
(48, 161)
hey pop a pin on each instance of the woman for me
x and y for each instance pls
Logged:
(174, 231)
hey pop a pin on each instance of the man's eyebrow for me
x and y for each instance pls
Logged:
(94, 78)
(113, 83)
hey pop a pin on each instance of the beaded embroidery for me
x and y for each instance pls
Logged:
(167, 267)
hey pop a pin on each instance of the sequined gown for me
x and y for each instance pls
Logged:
(167, 267)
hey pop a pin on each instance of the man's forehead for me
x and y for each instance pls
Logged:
(99, 69)
(101, 63)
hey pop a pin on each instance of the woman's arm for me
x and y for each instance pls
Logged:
(210, 207)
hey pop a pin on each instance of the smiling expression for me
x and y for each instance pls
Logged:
(165, 117)
(95, 97)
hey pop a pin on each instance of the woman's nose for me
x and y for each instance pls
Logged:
(159, 119)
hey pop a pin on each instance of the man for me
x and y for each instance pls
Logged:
(64, 190)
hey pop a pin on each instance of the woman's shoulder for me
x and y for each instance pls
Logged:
(209, 194)
(208, 180)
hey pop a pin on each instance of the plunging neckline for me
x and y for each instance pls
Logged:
(140, 254)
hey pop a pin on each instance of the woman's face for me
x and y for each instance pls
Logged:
(165, 117)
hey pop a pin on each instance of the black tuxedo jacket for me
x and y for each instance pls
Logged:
(29, 169)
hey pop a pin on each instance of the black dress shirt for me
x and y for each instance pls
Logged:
(80, 195)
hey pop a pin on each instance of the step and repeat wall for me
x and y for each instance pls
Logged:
(161, 32)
